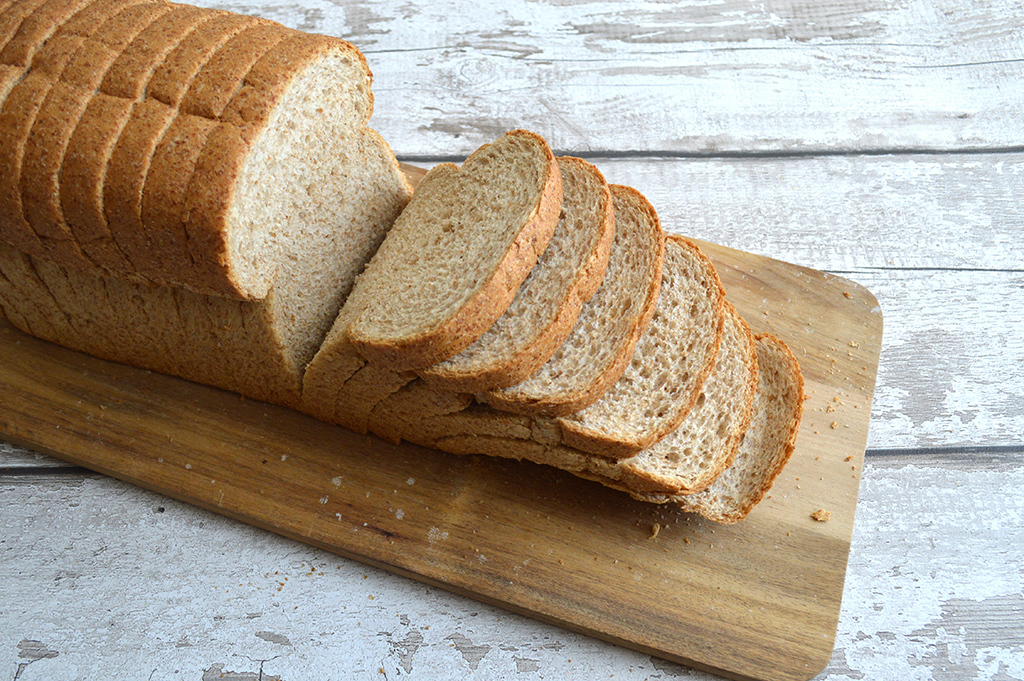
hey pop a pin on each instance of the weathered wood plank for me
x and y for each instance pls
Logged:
(844, 213)
(106, 577)
(730, 76)
(952, 366)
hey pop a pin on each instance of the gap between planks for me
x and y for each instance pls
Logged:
(781, 154)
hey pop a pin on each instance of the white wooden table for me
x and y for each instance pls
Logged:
(878, 141)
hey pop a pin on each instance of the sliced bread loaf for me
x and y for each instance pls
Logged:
(669, 366)
(545, 308)
(209, 141)
(456, 257)
(608, 327)
(257, 348)
(767, 444)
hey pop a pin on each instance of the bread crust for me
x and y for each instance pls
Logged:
(528, 360)
(129, 163)
(174, 158)
(36, 28)
(11, 19)
(58, 117)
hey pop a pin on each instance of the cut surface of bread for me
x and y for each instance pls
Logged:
(608, 327)
(767, 445)
(690, 457)
(457, 255)
(545, 308)
(196, 118)
(669, 366)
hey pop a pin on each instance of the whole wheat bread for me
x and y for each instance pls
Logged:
(608, 327)
(546, 306)
(457, 255)
(766, 443)
(685, 460)
(257, 348)
(193, 150)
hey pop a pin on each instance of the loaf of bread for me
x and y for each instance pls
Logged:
(197, 192)
(168, 144)
(161, 204)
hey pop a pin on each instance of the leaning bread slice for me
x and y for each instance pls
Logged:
(601, 344)
(670, 364)
(545, 308)
(767, 444)
(456, 257)
(339, 386)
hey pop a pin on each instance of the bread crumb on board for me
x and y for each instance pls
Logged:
(822, 516)
(655, 529)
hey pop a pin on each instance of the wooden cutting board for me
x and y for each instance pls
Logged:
(759, 599)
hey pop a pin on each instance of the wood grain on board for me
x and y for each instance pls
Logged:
(756, 600)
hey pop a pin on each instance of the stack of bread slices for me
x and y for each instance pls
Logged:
(521, 307)
(197, 192)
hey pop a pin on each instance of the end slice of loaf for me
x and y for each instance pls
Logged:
(608, 327)
(669, 366)
(457, 255)
(767, 445)
(546, 306)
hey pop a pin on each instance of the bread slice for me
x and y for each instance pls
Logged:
(237, 216)
(545, 308)
(257, 348)
(669, 366)
(458, 254)
(767, 445)
(608, 327)
(339, 385)
(690, 457)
